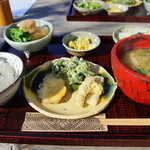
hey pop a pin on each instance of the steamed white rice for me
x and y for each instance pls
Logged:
(7, 75)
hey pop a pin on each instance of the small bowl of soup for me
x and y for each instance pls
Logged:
(130, 58)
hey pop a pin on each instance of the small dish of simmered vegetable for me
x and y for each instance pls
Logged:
(29, 35)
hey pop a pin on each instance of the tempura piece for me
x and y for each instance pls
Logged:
(80, 95)
(89, 91)
(96, 90)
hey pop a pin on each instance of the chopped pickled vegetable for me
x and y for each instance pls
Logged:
(81, 43)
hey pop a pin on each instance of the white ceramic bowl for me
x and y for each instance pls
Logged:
(116, 9)
(94, 38)
(86, 11)
(129, 30)
(16, 63)
(127, 3)
(31, 46)
(147, 6)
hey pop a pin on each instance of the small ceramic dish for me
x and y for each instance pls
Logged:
(95, 42)
(129, 30)
(66, 109)
(116, 9)
(137, 3)
(89, 11)
(31, 46)
(147, 6)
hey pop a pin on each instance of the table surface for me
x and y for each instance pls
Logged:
(55, 11)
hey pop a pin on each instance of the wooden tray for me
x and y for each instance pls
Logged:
(12, 115)
(135, 14)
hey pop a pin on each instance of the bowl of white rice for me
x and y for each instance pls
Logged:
(11, 69)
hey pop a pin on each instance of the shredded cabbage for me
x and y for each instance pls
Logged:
(74, 69)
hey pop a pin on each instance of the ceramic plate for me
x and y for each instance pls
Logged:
(66, 110)
(126, 31)
(138, 2)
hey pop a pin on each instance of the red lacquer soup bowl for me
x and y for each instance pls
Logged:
(134, 85)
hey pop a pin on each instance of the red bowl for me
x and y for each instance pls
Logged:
(134, 85)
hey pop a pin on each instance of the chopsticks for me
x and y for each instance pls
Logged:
(130, 122)
(126, 121)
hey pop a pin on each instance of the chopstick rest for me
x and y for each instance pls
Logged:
(38, 122)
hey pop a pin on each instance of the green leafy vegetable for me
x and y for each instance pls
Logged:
(18, 35)
(89, 5)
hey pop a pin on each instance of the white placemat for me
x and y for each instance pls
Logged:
(20, 7)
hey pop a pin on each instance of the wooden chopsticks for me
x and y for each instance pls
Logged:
(126, 121)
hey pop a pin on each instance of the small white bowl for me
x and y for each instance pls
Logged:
(116, 9)
(86, 11)
(31, 46)
(71, 36)
(147, 6)
(16, 63)
(129, 30)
